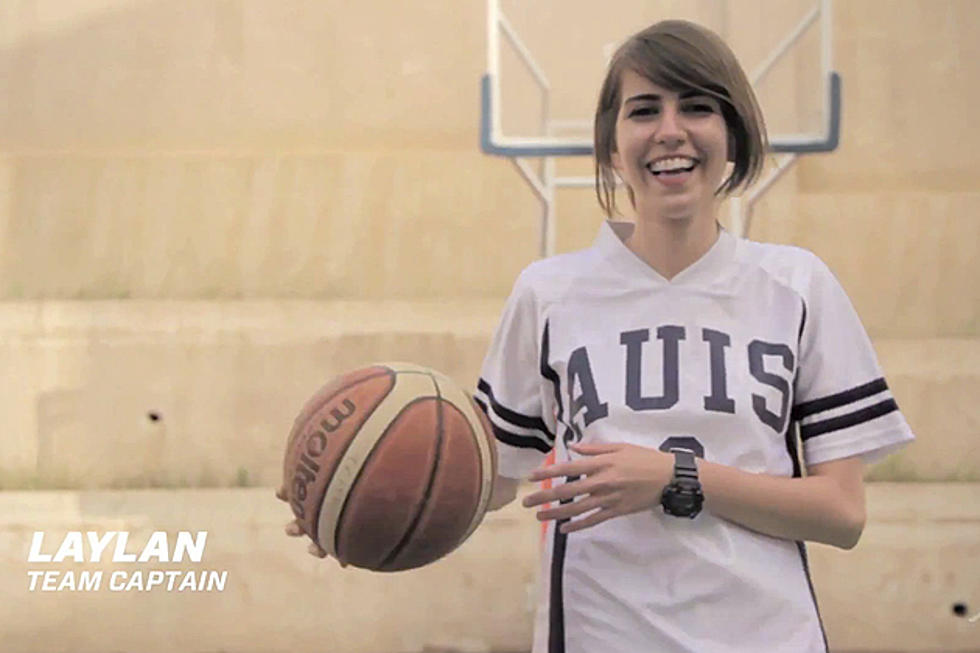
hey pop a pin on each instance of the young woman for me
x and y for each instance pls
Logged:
(664, 367)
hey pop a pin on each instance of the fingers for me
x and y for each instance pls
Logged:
(573, 509)
(583, 467)
(294, 529)
(596, 449)
(559, 493)
(597, 517)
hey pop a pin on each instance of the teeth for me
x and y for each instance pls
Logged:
(673, 163)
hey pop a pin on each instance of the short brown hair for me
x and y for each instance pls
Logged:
(682, 56)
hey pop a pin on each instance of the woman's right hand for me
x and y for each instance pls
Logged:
(294, 529)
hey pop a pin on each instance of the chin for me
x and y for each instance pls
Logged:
(680, 215)
(676, 211)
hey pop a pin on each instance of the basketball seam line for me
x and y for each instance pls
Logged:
(337, 494)
(360, 474)
(293, 433)
(481, 501)
(315, 520)
(348, 386)
(410, 531)
(484, 493)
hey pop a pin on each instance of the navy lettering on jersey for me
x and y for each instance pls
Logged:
(671, 336)
(718, 401)
(579, 368)
(758, 350)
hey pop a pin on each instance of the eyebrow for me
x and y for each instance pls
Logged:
(653, 97)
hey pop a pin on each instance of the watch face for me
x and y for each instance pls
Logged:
(682, 502)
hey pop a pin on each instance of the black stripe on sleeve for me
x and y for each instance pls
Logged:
(874, 411)
(513, 439)
(840, 399)
(506, 414)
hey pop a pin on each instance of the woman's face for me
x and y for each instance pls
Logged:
(671, 149)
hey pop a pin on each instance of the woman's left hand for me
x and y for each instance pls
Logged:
(615, 480)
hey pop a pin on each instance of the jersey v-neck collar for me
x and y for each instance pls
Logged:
(610, 242)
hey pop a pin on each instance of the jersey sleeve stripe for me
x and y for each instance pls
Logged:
(515, 418)
(514, 439)
(861, 416)
(840, 399)
(522, 441)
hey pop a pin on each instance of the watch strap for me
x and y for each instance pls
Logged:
(685, 465)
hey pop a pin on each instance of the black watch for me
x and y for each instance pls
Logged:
(683, 496)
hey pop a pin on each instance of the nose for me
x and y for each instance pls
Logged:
(670, 129)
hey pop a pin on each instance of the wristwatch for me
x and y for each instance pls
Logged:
(683, 497)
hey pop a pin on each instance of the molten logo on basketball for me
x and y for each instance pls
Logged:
(316, 443)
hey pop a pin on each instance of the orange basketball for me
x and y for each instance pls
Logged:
(390, 467)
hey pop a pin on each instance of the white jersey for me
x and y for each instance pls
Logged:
(595, 346)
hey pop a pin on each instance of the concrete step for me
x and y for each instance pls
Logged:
(936, 384)
(109, 394)
(898, 588)
(241, 75)
(370, 225)
(894, 591)
(262, 223)
(136, 393)
(909, 261)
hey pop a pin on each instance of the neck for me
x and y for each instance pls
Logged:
(670, 246)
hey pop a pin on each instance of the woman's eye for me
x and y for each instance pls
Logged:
(643, 111)
(701, 107)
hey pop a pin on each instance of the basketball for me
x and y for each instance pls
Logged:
(389, 467)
